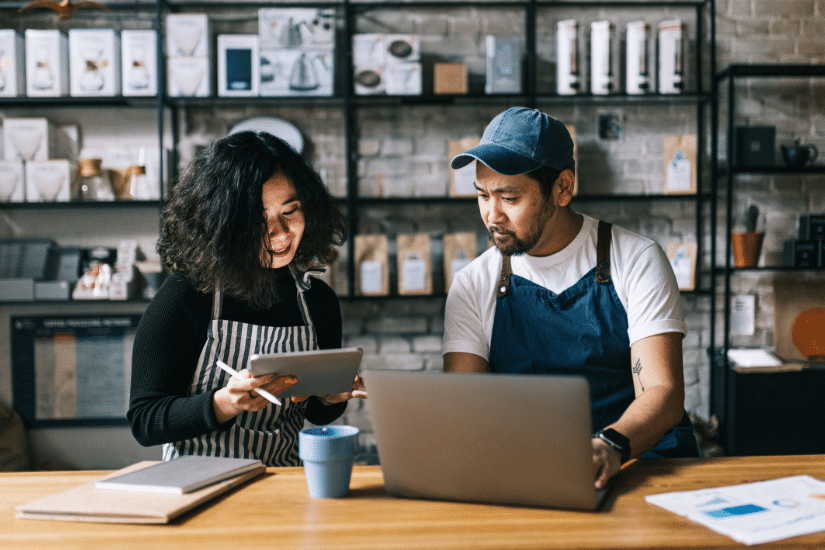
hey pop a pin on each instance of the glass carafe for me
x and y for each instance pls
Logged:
(94, 183)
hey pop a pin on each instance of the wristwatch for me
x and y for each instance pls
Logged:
(615, 440)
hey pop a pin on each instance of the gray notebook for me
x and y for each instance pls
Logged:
(181, 475)
(505, 439)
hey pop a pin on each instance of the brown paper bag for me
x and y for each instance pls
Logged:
(462, 181)
(683, 260)
(372, 274)
(680, 165)
(459, 250)
(414, 264)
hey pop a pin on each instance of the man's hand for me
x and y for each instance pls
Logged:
(333, 398)
(606, 462)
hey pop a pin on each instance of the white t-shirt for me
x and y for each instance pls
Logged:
(639, 268)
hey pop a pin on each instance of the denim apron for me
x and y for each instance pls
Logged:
(270, 435)
(580, 331)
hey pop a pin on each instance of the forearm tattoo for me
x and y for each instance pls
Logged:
(637, 370)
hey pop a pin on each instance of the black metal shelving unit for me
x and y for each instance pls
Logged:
(781, 424)
(700, 98)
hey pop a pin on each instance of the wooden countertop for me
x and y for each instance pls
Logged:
(275, 511)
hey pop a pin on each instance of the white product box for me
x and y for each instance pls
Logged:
(94, 62)
(297, 72)
(403, 79)
(370, 79)
(187, 35)
(671, 57)
(309, 28)
(47, 63)
(504, 55)
(368, 50)
(602, 74)
(568, 67)
(49, 180)
(12, 64)
(139, 62)
(401, 48)
(238, 65)
(29, 139)
(188, 77)
(12, 181)
(637, 66)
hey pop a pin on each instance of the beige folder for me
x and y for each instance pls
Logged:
(88, 503)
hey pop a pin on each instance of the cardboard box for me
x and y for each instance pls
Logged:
(504, 60)
(450, 78)
(94, 63)
(403, 79)
(12, 181)
(755, 146)
(17, 290)
(139, 62)
(187, 35)
(52, 290)
(29, 139)
(401, 48)
(238, 65)
(47, 63)
(49, 180)
(803, 254)
(811, 227)
(368, 50)
(189, 77)
(370, 80)
(306, 28)
(286, 72)
(12, 64)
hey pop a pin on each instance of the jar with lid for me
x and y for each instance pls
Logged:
(93, 183)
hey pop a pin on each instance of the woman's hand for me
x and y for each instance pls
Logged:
(240, 395)
(333, 398)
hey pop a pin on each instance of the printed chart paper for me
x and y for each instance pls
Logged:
(753, 513)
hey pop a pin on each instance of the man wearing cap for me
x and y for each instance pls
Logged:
(563, 293)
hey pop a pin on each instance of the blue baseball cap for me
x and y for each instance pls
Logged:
(520, 140)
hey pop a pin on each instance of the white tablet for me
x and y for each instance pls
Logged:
(319, 372)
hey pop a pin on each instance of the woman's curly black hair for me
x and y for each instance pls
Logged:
(213, 230)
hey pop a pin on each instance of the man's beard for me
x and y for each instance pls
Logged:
(514, 246)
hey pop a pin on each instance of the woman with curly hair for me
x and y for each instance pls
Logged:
(243, 227)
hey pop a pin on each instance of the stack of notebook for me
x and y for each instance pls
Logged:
(146, 492)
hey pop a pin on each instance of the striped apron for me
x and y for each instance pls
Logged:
(270, 435)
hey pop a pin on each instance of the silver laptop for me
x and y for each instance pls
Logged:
(497, 438)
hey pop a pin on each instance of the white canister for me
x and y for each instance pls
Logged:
(637, 67)
(602, 76)
(671, 57)
(568, 76)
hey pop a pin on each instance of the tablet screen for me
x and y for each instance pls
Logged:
(319, 372)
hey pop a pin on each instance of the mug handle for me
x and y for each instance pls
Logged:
(814, 152)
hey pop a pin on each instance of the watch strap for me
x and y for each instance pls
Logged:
(616, 441)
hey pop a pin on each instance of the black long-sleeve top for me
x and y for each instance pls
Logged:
(168, 344)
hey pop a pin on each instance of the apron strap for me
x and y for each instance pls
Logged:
(504, 280)
(603, 253)
(302, 284)
(217, 304)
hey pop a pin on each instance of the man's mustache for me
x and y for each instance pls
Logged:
(496, 229)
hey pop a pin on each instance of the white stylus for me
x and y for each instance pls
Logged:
(237, 375)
